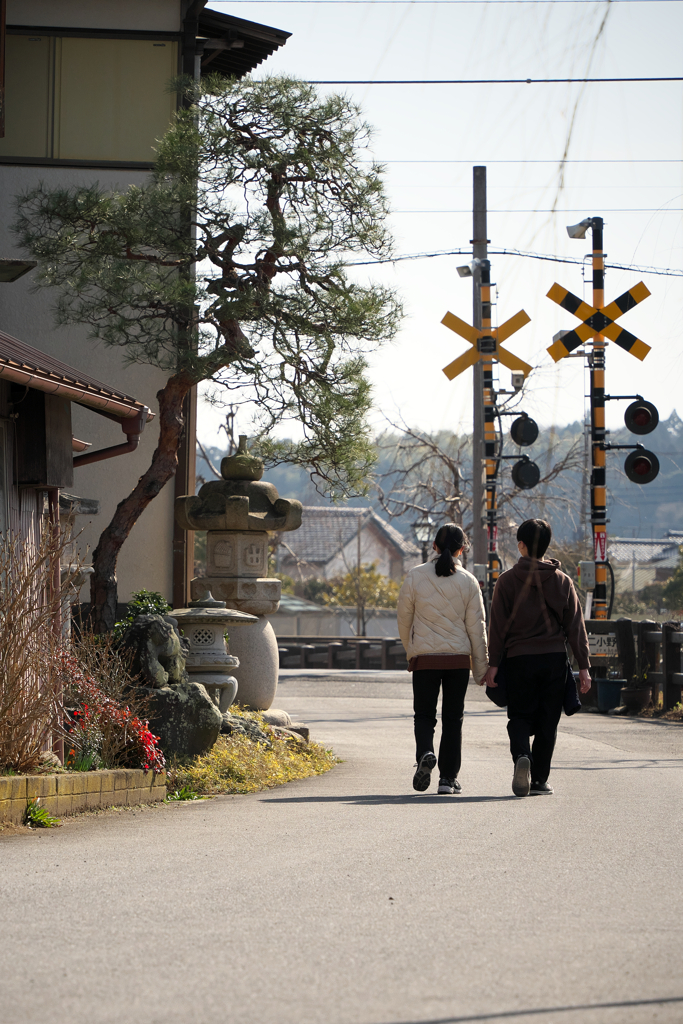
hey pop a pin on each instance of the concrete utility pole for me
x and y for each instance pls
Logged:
(479, 243)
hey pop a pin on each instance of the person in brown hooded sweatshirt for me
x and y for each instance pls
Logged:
(534, 609)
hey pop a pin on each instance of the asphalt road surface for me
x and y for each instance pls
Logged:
(349, 899)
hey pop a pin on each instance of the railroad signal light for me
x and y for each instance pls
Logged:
(524, 431)
(641, 466)
(525, 474)
(641, 417)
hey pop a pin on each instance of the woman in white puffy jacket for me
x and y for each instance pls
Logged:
(442, 624)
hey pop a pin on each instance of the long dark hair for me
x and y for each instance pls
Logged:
(450, 538)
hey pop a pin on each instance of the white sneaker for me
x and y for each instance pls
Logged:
(521, 779)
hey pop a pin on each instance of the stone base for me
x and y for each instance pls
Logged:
(255, 645)
(184, 718)
(256, 596)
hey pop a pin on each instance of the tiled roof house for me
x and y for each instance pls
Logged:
(326, 544)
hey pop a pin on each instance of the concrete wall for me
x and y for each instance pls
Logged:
(146, 558)
(334, 622)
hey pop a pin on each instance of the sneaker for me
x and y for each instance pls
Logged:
(521, 779)
(449, 786)
(541, 789)
(425, 767)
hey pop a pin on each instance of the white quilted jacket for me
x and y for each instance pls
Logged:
(443, 615)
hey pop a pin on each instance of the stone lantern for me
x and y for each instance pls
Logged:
(205, 624)
(238, 512)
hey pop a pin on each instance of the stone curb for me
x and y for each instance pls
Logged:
(72, 792)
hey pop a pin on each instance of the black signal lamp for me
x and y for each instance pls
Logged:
(525, 473)
(524, 431)
(641, 417)
(641, 466)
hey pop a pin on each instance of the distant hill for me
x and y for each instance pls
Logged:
(633, 510)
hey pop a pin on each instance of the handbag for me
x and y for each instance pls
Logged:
(499, 693)
(572, 701)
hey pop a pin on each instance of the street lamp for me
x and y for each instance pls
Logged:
(423, 533)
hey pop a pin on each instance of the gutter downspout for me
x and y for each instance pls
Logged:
(132, 427)
(56, 599)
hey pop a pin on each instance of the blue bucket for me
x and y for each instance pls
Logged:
(609, 693)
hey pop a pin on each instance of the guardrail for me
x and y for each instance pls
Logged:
(648, 653)
(385, 653)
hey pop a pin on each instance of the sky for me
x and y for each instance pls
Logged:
(622, 142)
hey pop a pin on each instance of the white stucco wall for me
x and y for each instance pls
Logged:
(372, 549)
(146, 558)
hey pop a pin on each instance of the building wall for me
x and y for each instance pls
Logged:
(96, 99)
(131, 15)
(146, 557)
(374, 548)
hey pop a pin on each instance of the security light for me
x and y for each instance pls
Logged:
(579, 230)
(464, 271)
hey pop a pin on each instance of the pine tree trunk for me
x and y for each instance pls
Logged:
(103, 591)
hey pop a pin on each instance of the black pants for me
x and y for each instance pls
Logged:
(426, 686)
(536, 685)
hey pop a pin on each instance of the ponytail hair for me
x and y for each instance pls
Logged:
(450, 538)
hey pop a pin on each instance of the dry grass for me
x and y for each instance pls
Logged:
(30, 686)
(109, 666)
(238, 765)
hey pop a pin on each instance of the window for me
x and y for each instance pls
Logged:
(101, 100)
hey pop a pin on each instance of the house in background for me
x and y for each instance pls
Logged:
(639, 563)
(86, 96)
(331, 541)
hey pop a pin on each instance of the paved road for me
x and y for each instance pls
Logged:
(348, 899)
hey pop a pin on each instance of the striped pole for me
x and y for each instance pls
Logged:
(597, 400)
(490, 438)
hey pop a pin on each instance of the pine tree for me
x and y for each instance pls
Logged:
(229, 266)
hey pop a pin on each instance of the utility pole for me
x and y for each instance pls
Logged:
(598, 322)
(597, 392)
(479, 244)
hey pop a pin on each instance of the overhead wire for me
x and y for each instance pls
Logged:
(662, 271)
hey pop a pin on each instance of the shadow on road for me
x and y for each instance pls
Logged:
(385, 798)
(512, 1014)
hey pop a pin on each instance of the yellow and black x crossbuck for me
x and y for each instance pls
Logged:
(486, 344)
(598, 321)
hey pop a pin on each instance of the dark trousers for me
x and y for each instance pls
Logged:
(426, 686)
(535, 685)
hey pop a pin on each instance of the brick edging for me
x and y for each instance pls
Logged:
(71, 792)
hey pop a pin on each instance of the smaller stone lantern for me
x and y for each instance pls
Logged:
(205, 624)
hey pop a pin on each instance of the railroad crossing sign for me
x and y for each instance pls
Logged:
(486, 343)
(598, 321)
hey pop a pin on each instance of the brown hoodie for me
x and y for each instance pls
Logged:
(529, 603)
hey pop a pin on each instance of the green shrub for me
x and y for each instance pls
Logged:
(36, 816)
(143, 602)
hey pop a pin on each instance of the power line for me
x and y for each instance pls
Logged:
(484, 81)
(578, 209)
(418, 3)
(661, 271)
(556, 161)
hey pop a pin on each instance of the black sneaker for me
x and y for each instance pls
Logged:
(541, 789)
(449, 786)
(521, 779)
(425, 767)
